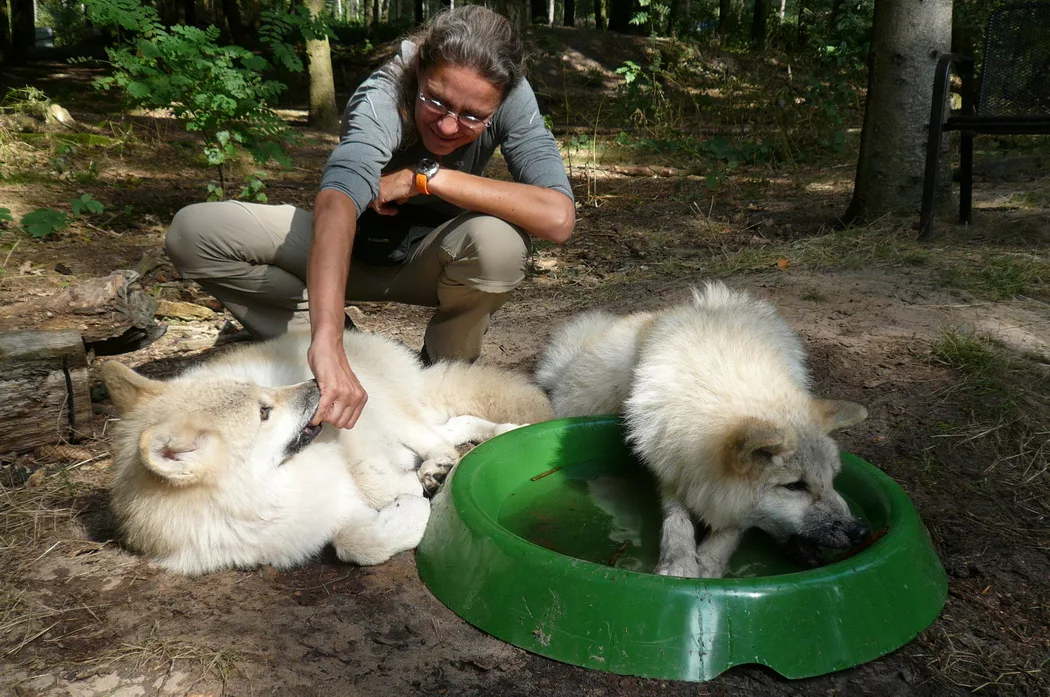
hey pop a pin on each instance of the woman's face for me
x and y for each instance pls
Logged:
(452, 99)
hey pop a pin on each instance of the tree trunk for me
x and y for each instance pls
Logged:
(833, 19)
(5, 33)
(23, 20)
(232, 11)
(550, 13)
(599, 18)
(539, 9)
(783, 10)
(189, 12)
(620, 12)
(323, 112)
(908, 36)
(419, 11)
(517, 11)
(568, 12)
(725, 16)
(759, 24)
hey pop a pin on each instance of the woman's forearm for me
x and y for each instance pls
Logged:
(543, 213)
(334, 225)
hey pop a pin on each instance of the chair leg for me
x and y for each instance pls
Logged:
(965, 177)
(929, 185)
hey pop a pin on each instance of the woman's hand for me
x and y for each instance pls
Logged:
(342, 397)
(394, 188)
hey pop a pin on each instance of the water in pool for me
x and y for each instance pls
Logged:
(611, 516)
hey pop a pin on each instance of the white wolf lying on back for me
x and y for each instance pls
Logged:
(220, 467)
(716, 400)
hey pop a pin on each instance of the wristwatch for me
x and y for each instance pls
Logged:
(426, 170)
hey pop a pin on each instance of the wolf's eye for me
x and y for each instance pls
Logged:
(800, 485)
(264, 413)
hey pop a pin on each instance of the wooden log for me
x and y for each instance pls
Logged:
(111, 313)
(45, 391)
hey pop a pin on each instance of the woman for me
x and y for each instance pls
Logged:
(404, 213)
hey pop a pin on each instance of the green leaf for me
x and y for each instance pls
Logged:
(5, 215)
(43, 221)
(86, 203)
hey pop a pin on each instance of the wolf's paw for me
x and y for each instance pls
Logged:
(432, 473)
(684, 567)
(500, 429)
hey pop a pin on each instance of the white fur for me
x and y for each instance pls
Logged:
(203, 482)
(716, 399)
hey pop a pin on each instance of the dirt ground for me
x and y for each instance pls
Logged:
(81, 616)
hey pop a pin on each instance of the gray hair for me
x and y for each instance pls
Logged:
(473, 36)
(469, 36)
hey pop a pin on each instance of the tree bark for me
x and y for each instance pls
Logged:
(908, 36)
(539, 9)
(568, 12)
(620, 15)
(189, 12)
(5, 33)
(759, 24)
(419, 11)
(599, 18)
(323, 113)
(725, 16)
(517, 11)
(232, 11)
(46, 387)
(23, 20)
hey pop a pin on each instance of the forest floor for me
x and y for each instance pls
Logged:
(946, 343)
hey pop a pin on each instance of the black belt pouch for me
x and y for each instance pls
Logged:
(389, 240)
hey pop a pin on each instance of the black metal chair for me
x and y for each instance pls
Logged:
(1011, 97)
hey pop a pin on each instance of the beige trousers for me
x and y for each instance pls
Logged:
(252, 257)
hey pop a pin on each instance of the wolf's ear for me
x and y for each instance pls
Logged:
(126, 387)
(837, 414)
(754, 443)
(181, 455)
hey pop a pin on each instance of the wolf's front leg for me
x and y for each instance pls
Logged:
(473, 429)
(713, 553)
(370, 537)
(677, 541)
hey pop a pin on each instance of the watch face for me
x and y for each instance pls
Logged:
(428, 167)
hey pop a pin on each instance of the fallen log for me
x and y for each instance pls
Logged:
(111, 313)
(45, 393)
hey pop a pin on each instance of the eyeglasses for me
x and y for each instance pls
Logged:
(439, 109)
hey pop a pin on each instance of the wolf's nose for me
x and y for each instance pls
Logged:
(858, 531)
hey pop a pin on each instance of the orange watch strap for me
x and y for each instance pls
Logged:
(421, 183)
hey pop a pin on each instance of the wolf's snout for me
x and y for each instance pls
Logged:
(857, 532)
(309, 395)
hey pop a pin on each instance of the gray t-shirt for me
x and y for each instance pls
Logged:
(372, 141)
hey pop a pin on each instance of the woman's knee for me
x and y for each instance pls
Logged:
(212, 239)
(187, 235)
(495, 251)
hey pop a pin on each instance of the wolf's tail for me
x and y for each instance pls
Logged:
(566, 346)
(492, 393)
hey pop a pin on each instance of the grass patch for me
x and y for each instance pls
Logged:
(82, 139)
(1004, 393)
(997, 276)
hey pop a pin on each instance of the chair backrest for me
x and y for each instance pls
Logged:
(1015, 77)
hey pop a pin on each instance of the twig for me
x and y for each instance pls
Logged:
(13, 248)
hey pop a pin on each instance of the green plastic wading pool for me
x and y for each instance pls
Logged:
(545, 537)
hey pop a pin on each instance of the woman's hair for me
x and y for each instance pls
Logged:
(469, 36)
